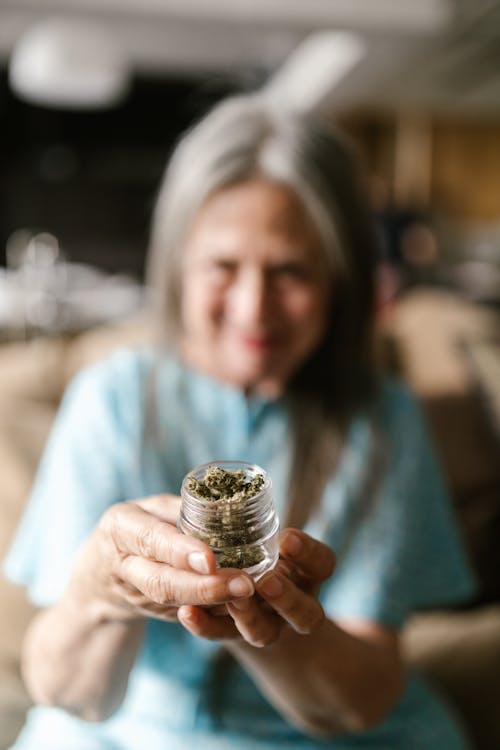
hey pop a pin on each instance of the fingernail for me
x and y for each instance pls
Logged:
(198, 562)
(184, 614)
(240, 586)
(271, 586)
(292, 544)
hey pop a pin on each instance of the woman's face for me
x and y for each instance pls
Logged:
(255, 287)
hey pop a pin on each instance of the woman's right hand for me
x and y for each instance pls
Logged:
(137, 564)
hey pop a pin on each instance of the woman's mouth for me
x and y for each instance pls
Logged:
(258, 343)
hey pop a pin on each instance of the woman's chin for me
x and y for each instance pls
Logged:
(252, 371)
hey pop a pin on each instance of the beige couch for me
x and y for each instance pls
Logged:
(460, 651)
(33, 376)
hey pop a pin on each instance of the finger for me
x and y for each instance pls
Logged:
(300, 610)
(133, 530)
(292, 572)
(258, 627)
(218, 610)
(315, 559)
(297, 577)
(132, 603)
(165, 506)
(164, 585)
(202, 624)
(145, 608)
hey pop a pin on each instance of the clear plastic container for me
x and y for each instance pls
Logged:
(241, 533)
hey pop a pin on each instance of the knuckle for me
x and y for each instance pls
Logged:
(110, 536)
(261, 642)
(266, 639)
(204, 593)
(311, 623)
(111, 520)
(146, 542)
(157, 589)
(258, 643)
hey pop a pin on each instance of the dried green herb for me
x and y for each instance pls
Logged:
(228, 529)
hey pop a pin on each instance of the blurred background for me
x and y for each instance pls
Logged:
(93, 96)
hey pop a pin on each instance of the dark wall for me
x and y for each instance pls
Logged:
(90, 178)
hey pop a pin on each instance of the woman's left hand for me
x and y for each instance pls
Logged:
(286, 596)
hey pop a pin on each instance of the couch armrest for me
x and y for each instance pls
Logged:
(459, 653)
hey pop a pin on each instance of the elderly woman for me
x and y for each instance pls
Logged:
(262, 274)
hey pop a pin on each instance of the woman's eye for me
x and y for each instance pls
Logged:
(290, 272)
(221, 270)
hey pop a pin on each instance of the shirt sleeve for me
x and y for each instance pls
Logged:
(82, 472)
(405, 551)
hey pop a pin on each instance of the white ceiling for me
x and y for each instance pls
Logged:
(437, 55)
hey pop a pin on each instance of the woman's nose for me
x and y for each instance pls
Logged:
(251, 299)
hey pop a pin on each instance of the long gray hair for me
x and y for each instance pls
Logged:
(245, 137)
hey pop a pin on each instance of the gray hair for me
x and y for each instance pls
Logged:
(244, 137)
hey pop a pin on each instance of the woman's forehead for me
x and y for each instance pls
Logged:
(253, 209)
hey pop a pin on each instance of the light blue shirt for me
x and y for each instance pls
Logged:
(392, 529)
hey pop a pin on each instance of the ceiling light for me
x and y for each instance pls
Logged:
(69, 64)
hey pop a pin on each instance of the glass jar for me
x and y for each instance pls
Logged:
(242, 533)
